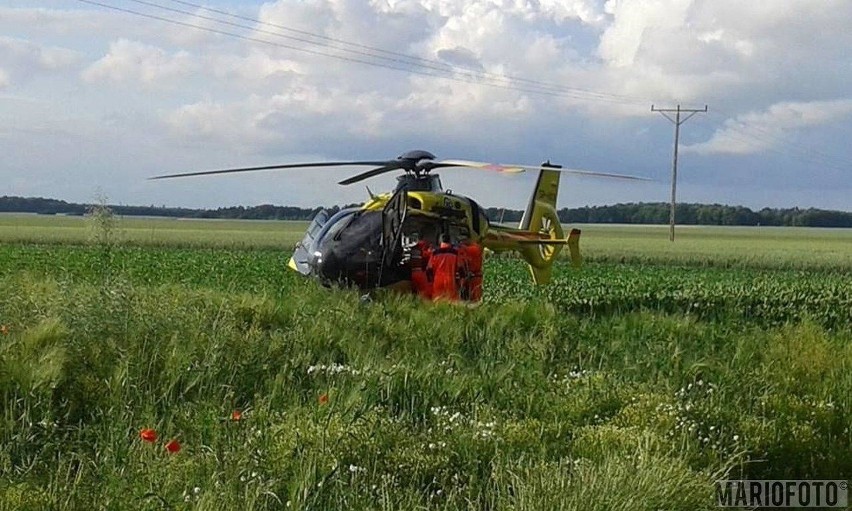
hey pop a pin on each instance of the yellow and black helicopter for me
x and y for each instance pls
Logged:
(368, 245)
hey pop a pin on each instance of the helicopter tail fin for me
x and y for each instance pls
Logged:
(540, 217)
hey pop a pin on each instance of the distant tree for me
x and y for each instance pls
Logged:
(631, 213)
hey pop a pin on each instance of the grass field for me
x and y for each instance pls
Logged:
(633, 383)
(155, 231)
(771, 247)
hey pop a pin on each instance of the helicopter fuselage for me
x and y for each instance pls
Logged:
(350, 247)
(368, 246)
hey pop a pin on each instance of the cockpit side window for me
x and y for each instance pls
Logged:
(336, 223)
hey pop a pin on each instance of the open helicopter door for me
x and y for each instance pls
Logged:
(393, 217)
(303, 254)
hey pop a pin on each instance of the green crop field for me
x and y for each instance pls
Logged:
(632, 383)
(768, 247)
(154, 231)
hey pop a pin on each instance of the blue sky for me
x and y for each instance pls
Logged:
(94, 100)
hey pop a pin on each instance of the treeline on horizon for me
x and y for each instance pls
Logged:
(633, 213)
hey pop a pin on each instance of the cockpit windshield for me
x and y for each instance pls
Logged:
(317, 224)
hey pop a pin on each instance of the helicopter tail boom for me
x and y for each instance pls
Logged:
(539, 238)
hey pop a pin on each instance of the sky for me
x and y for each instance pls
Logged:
(94, 99)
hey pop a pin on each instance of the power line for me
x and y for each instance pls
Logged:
(371, 53)
(308, 50)
(377, 57)
(770, 139)
(677, 122)
(303, 32)
(462, 76)
(238, 36)
(414, 59)
(410, 59)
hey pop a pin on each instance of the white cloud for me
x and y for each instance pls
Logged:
(101, 24)
(755, 132)
(155, 67)
(588, 12)
(40, 56)
(726, 50)
(633, 21)
(203, 95)
(53, 21)
(302, 115)
(255, 65)
(22, 59)
(132, 61)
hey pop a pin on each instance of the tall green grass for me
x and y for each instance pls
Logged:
(617, 387)
(393, 404)
(768, 296)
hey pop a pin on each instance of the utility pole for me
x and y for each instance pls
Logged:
(677, 122)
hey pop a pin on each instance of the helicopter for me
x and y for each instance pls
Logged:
(368, 245)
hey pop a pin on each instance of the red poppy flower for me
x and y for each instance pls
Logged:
(173, 446)
(323, 399)
(236, 415)
(148, 435)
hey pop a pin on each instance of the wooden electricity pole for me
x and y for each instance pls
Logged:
(677, 122)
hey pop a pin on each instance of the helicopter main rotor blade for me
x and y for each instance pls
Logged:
(386, 167)
(514, 169)
(506, 169)
(578, 172)
(271, 167)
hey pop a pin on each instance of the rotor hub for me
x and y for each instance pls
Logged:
(416, 155)
(416, 161)
(413, 182)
